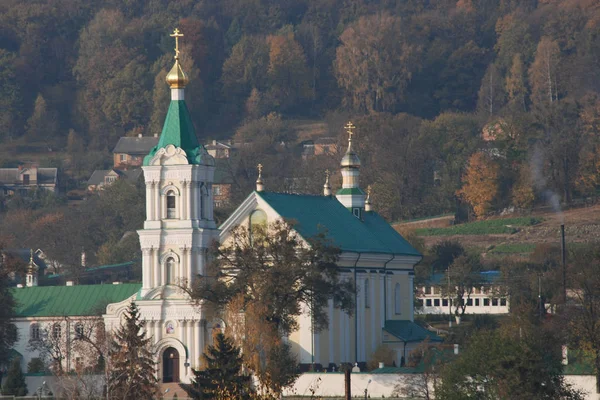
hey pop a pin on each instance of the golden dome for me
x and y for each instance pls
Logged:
(176, 78)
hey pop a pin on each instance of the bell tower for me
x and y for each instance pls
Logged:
(178, 173)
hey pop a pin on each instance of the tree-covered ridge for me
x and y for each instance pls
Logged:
(429, 84)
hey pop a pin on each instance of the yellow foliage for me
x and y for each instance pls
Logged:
(480, 183)
(382, 354)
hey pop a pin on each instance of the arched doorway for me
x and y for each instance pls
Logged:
(170, 365)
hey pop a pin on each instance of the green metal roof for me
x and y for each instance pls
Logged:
(179, 131)
(350, 191)
(408, 331)
(372, 234)
(78, 300)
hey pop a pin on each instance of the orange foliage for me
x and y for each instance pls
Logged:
(480, 183)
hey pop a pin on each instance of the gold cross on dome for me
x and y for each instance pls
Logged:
(260, 168)
(327, 173)
(349, 127)
(369, 191)
(176, 34)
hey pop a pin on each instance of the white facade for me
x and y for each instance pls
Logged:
(483, 300)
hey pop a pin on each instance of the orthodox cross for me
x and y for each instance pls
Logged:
(327, 174)
(369, 191)
(260, 168)
(176, 34)
(349, 127)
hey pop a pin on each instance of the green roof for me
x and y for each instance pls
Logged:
(372, 234)
(408, 331)
(179, 131)
(78, 300)
(350, 191)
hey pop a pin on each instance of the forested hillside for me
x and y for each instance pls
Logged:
(428, 83)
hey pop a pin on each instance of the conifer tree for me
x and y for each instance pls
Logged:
(222, 373)
(14, 384)
(132, 363)
(8, 330)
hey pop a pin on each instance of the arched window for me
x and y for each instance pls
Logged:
(56, 331)
(34, 333)
(78, 330)
(171, 205)
(170, 266)
(397, 299)
(258, 220)
(367, 294)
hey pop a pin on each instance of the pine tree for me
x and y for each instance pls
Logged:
(14, 384)
(8, 330)
(222, 373)
(132, 369)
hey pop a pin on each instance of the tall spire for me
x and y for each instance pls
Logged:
(327, 186)
(259, 182)
(31, 278)
(178, 129)
(351, 195)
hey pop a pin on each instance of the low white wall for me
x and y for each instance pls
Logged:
(585, 383)
(332, 384)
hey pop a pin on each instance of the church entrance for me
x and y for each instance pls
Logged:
(170, 365)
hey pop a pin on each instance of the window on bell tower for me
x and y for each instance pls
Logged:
(170, 266)
(171, 208)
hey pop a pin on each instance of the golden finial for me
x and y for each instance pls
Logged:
(368, 200)
(176, 78)
(259, 182)
(326, 186)
(176, 34)
(30, 256)
(349, 128)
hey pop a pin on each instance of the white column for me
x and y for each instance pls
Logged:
(157, 203)
(342, 336)
(373, 312)
(360, 326)
(197, 348)
(182, 332)
(181, 204)
(382, 299)
(188, 340)
(317, 340)
(330, 329)
(157, 331)
(188, 200)
(149, 201)
(389, 295)
(146, 272)
(182, 264)
(210, 202)
(192, 197)
(411, 297)
(156, 268)
(189, 268)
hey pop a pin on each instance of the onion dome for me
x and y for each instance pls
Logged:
(176, 78)
(350, 159)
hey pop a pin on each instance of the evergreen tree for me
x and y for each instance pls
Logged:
(132, 360)
(14, 384)
(8, 330)
(222, 373)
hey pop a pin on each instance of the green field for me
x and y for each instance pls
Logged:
(513, 248)
(489, 227)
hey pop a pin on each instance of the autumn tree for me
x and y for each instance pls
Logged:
(480, 183)
(543, 73)
(42, 124)
(132, 360)
(273, 277)
(515, 84)
(374, 63)
(491, 94)
(428, 360)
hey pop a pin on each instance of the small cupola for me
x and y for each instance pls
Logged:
(351, 195)
(326, 186)
(31, 277)
(259, 181)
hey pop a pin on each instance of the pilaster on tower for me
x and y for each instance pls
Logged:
(351, 195)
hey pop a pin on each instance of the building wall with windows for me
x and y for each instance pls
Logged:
(483, 300)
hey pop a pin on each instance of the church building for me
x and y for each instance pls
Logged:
(178, 230)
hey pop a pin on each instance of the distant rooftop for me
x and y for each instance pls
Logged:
(135, 145)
